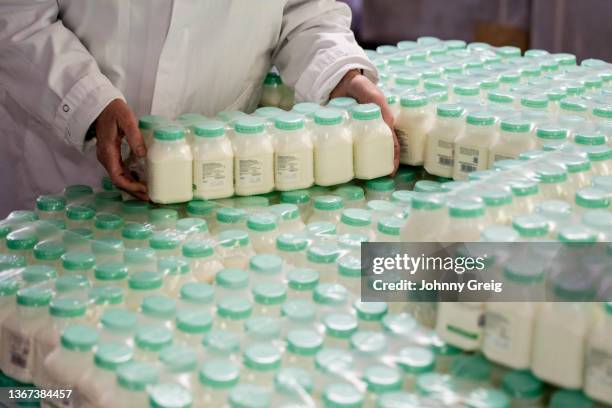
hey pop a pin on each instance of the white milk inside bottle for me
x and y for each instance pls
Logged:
(439, 151)
(415, 120)
(472, 147)
(253, 158)
(92, 388)
(561, 362)
(516, 136)
(598, 374)
(373, 143)
(213, 161)
(18, 330)
(293, 153)
(333, 148)
(169, 167)
(65, 365)
(509, 326)
(63, 312)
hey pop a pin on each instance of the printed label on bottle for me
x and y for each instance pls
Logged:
(287, 167)
(599, 369)
(471, 159)
(445, 153)
(211, 174)
(20, 349)
(497, 333)
(402, 138)
(250, 172)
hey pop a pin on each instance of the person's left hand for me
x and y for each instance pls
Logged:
(356, 85)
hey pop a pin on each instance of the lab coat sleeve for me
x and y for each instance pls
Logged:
(317, 48)
(48, 71)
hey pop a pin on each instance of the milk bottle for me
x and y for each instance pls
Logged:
(48, 206)
(217, 377)
(63, 312)
(439, 150)
(415, 120)
(459, 324)
(263, 229)
(271, 94)
(427, 219)
(509, 326)
(466, 220)
(292, 248)
(150, 340)
(379, 188)
(18, 330)
(598, 377)
(563, 320)
(133, 380)
(65, 366)
(260, 362)
(525, 195)
(498, 204)
(269, 114)
(516, 137)
(117, 326)
(353, 196)
(388, 229)
(288, 216)
(213, 161)
(472, 147)
(253, 158)
(591, 198)
(327, 208)
(293, 153)
(373, 143)
(601, 160)
(92, 388)
(333, 148)
(147, 125)
(299, 198)
(169, 166)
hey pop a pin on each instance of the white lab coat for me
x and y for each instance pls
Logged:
(63, 61)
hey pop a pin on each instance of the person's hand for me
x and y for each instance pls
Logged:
(356, 85)
(114, 123)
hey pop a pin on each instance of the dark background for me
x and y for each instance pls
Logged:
(581, 27)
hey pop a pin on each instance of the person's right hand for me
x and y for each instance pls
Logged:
(114, 123)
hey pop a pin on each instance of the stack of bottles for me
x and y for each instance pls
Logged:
(247, 155)
(255, 301)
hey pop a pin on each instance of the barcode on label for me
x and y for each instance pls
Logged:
(445, 161)
(468, 168)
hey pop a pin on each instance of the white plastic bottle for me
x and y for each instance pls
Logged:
(63, 312)
(213, 161)
(217, 377)
(427, 219)
(373, 143)
(253, 158)
(598, 369)
(293, 153)
(439, 151)
(169, 167)
(66, 364)
(379, 188)
(271, 93)
(18, 330)
(333, 148)
(508, 328)
(327, 208)
(472, 147)
(562, 362)
(292, 248)
(92, 388)
(263, 230)
(466, 220)
(516, 137)
(415, 121)
(133, 380)
(459, 324)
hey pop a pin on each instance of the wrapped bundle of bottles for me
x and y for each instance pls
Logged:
(255, 301)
